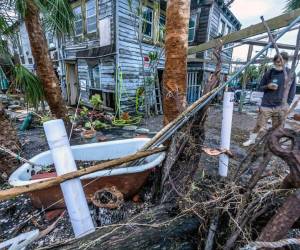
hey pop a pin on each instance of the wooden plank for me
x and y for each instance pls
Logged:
(264, 43)
(253, 30)
(200, 60)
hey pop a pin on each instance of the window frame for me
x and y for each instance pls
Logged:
(228, 29)
(160, 34)
(97, 74)
(143, 20)
(194, 28)
(222, 25)
(76, 21)
(90, 16)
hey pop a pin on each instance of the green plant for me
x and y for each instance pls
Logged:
(88, 125)
(153, 55)
(45, 118)
(149, 81)
(96, 101)
(30, 84)
(139, 98)
(99, 125)
(95, 125)
(84, 112)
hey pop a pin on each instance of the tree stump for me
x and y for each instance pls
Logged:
(154, 229)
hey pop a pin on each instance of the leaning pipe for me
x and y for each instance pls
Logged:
(72, 190)
(226, 132)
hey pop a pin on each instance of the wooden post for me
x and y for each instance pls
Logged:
(245, 78)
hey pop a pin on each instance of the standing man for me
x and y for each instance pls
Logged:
(272, 106)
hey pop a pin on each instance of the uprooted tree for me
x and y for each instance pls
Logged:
(210, 212)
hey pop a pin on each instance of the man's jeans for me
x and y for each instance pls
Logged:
(277, 114)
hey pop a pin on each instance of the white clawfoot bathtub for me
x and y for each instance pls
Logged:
(127, 179)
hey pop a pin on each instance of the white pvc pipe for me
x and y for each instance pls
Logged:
(21, 241)
(72, 190)
(226, 132)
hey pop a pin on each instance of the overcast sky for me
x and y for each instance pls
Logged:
(249, 11)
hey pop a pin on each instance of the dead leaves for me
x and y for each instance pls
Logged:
(216, 152)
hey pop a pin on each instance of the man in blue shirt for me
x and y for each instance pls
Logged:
(272, 106)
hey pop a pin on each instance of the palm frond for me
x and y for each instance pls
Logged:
(58, 15)
(3, 24)
(29, 83)
(292, 5)
(20, 6)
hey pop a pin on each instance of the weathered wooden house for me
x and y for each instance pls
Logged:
(209, 19)
(22, 47)
(108, 56)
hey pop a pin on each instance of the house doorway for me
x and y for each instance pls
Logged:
(72, 83)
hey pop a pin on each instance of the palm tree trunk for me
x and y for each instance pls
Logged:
(44, 65)
(176, 45)
(9, 140)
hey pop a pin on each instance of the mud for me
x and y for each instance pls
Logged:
(18, 215)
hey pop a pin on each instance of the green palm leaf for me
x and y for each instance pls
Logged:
(29, 83)
(58, 15)
(292, 5)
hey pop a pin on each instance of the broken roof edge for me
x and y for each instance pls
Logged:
(222, 6)
(250, 31)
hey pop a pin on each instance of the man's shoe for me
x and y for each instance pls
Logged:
(251, 140)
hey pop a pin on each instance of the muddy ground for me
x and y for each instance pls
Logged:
(18, 215)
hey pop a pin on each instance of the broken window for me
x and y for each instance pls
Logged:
(192, 27)
(147, 21)
(91, 16)
(228, 30)
(78, 22)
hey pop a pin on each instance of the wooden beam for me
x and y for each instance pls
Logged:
(201, 60)
(13, 192)
(253, 30)
(264, 43)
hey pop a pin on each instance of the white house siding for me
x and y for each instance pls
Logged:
(130, 61)
(216, 15)
(93, 56)
(26, 55)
